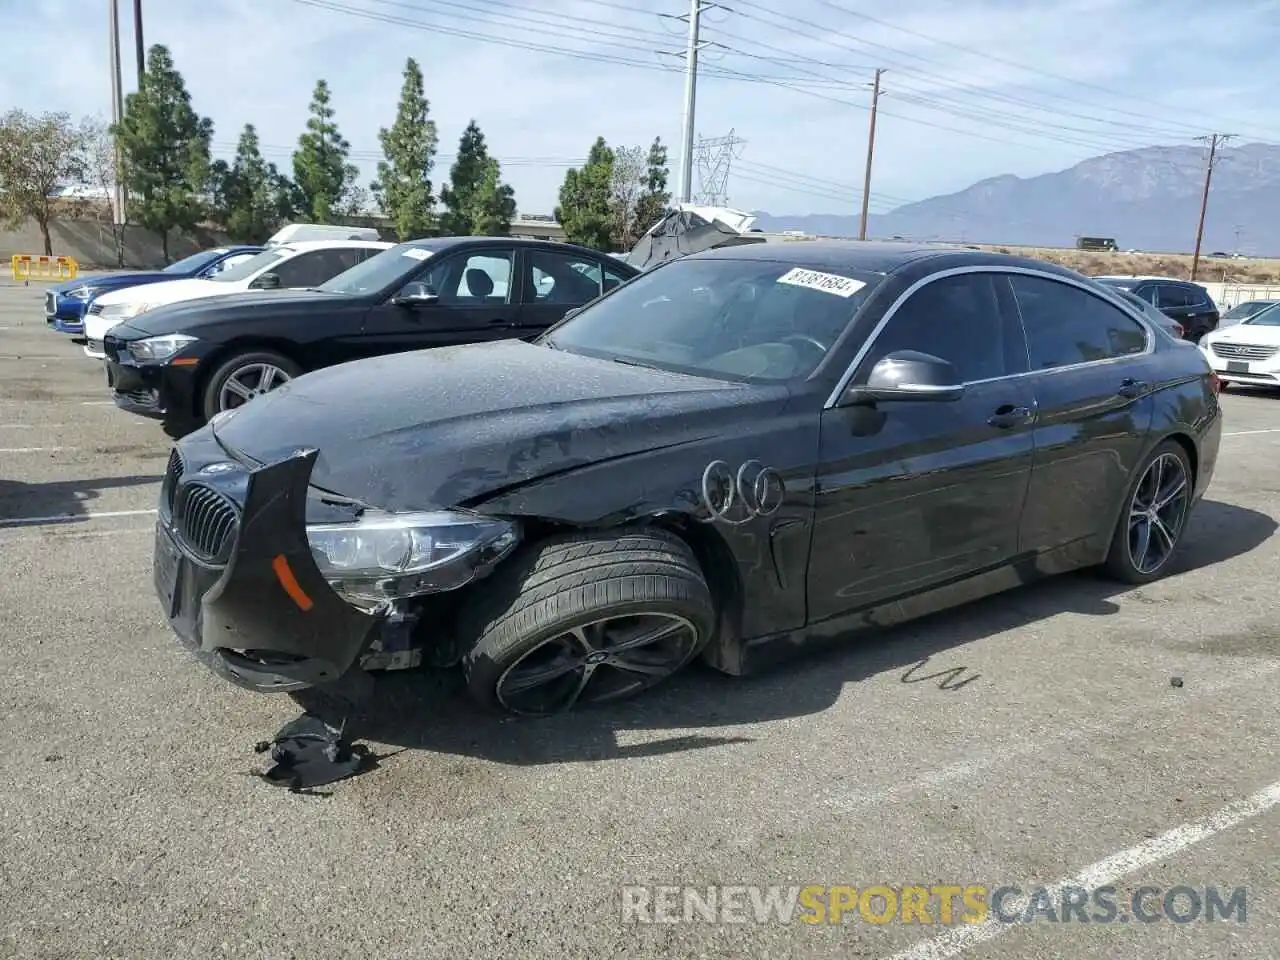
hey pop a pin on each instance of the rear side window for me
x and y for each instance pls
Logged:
(316, 266)
(1067, 325)
(1171, 296)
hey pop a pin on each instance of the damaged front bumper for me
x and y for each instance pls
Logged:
(238, 574)
(240, 587)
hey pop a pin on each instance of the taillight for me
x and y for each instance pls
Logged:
(1215, 382)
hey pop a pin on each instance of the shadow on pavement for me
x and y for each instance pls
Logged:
(61, 502)
(430, 711)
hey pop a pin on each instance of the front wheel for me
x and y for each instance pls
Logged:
(245, 376)
(1156, 509)
(586, 619)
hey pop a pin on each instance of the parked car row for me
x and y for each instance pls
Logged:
(568, 477)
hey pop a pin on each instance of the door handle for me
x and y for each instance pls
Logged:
(1131, 387)
(1009, 416)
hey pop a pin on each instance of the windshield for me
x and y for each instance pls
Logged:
(245, 269)
(196, 262)
(390, 268)
(1268, 317)
(731, 319)
(1248, 309)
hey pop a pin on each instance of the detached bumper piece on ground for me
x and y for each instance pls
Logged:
(309, 753)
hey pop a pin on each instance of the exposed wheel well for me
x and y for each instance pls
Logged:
(216, 359)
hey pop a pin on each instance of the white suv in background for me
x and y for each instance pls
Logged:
(305, 263)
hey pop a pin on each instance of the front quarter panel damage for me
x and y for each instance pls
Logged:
(757, 550)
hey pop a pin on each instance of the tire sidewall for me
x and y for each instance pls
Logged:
(209, 399)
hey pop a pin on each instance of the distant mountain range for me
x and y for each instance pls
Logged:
(1147, 199)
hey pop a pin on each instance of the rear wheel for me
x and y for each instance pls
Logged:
(245, 376)
(586, 619)
(1154, 516)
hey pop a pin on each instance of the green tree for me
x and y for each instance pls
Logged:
(493, 205)
(39, 158)
(251, 197)
(655, 200)
(325, 180)
(476, 201)
(403, 187)
(585, 211)
(164, 151)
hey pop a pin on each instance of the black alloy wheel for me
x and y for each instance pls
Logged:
(585, 619)
(1154, 517)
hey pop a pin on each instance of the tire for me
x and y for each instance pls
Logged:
(210, 401)
(1126, 560)
(565, 606)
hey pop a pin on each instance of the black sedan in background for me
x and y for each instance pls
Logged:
(185, 362)
(732, 453)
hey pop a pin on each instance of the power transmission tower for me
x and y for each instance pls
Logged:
(693, 45)
(1214, 140)
(871, 150)
(715, 156)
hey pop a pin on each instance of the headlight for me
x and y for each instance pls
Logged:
(385, 556)
(123, 311)
(83, 293)
(159, 348)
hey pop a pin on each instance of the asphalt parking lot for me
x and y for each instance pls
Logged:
(1032, 739)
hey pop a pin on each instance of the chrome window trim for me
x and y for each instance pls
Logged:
(843, 383)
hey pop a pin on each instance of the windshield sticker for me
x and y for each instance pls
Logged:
(826, 282)
(417, 253)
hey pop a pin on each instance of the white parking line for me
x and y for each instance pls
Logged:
(73, 517)
(1249, 433)
(97, 403)
(33, 449)
(1103, 873)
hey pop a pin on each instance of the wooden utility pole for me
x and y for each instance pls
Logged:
(871, 152)
(1214, 140)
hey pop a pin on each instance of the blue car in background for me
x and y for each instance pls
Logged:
(65, 304)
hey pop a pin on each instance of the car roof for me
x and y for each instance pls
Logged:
(440, 244)
(302, 246)
(871, 256)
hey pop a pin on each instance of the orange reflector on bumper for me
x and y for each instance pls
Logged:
(284, 573)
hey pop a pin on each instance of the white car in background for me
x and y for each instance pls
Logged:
(298, 265)
(1247, 352)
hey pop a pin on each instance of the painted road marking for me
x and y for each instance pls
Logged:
(48, 537)
(1250, 433)
(1103, 873)
(33, 449)
(74, 517)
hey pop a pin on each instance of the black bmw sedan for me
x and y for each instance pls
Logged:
(185, 362)
(732, 454)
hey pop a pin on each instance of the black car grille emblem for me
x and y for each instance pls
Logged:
(206, 521)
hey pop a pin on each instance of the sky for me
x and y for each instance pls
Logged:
(972, 88)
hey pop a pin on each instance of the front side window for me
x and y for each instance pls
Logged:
(478, 279)
(1065, 324)
(732, 319)
(314, 267)
(957, 319)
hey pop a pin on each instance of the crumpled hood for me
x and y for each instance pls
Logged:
(450, 426)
